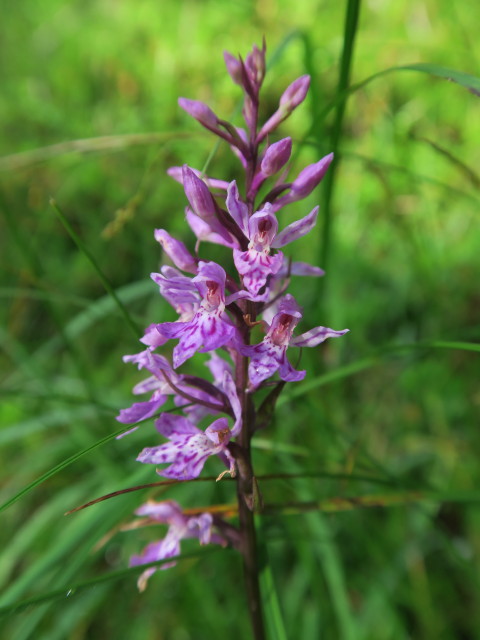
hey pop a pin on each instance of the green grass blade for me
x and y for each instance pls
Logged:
(104, 280)
(70, 591)
(271, 606)
(57, 468)
(350, 31)
(26, 159)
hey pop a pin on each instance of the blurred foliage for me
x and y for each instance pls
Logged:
(100, 80)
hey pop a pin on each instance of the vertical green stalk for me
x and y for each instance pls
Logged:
(350, 31)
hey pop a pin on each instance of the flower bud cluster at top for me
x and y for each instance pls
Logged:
(217, 309)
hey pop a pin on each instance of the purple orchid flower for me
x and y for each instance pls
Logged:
(160, 383)
(256, 264)
(157, 383)
(180, 526)
(270, 355)
(210, 328)
(189, 447)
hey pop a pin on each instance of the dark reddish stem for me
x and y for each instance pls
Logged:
(246, 485)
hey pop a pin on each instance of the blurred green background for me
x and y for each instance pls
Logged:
(89, 115)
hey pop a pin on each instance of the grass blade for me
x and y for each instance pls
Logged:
(104, 280)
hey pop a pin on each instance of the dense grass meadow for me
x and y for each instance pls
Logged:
(379, 535)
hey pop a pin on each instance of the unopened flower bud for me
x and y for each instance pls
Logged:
(291, 98)
(255, 64)
(276, 156)
(200, 111)
(295, 93)
(234, 67)
(305, 182)
(176, 251)
(198, 195)
(310, 177)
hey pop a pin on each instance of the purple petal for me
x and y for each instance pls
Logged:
(218, 367)
(201, 528)
(169, 424)
(287, 372)
(164, 512)
(198, 195)
(212, 183)
(231, 391)
(264, 361)
(305, 182)
(237, 209)
(256, 267)
(152, 337)
(299, 269)
(288, 305)
(262, 228)
(204, 231)
(296, 229)
(176, 251)
(140, 410)
(315, 336)
(210, 271)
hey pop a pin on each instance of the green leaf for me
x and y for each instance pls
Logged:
(270, 602)
(71, 590)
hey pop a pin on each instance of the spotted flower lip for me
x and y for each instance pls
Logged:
(210, 328)
(269, 356)
(256, 264)
(180, 527)
(188, 447)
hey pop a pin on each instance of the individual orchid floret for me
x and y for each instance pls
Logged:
(188, 447)
(270, 355)
(293, 96)
(210, 328)
(176, 251)
(180, 526)
(256, 264)
(180, 292)
(202, 202)
(157, 365)
(305, 182)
